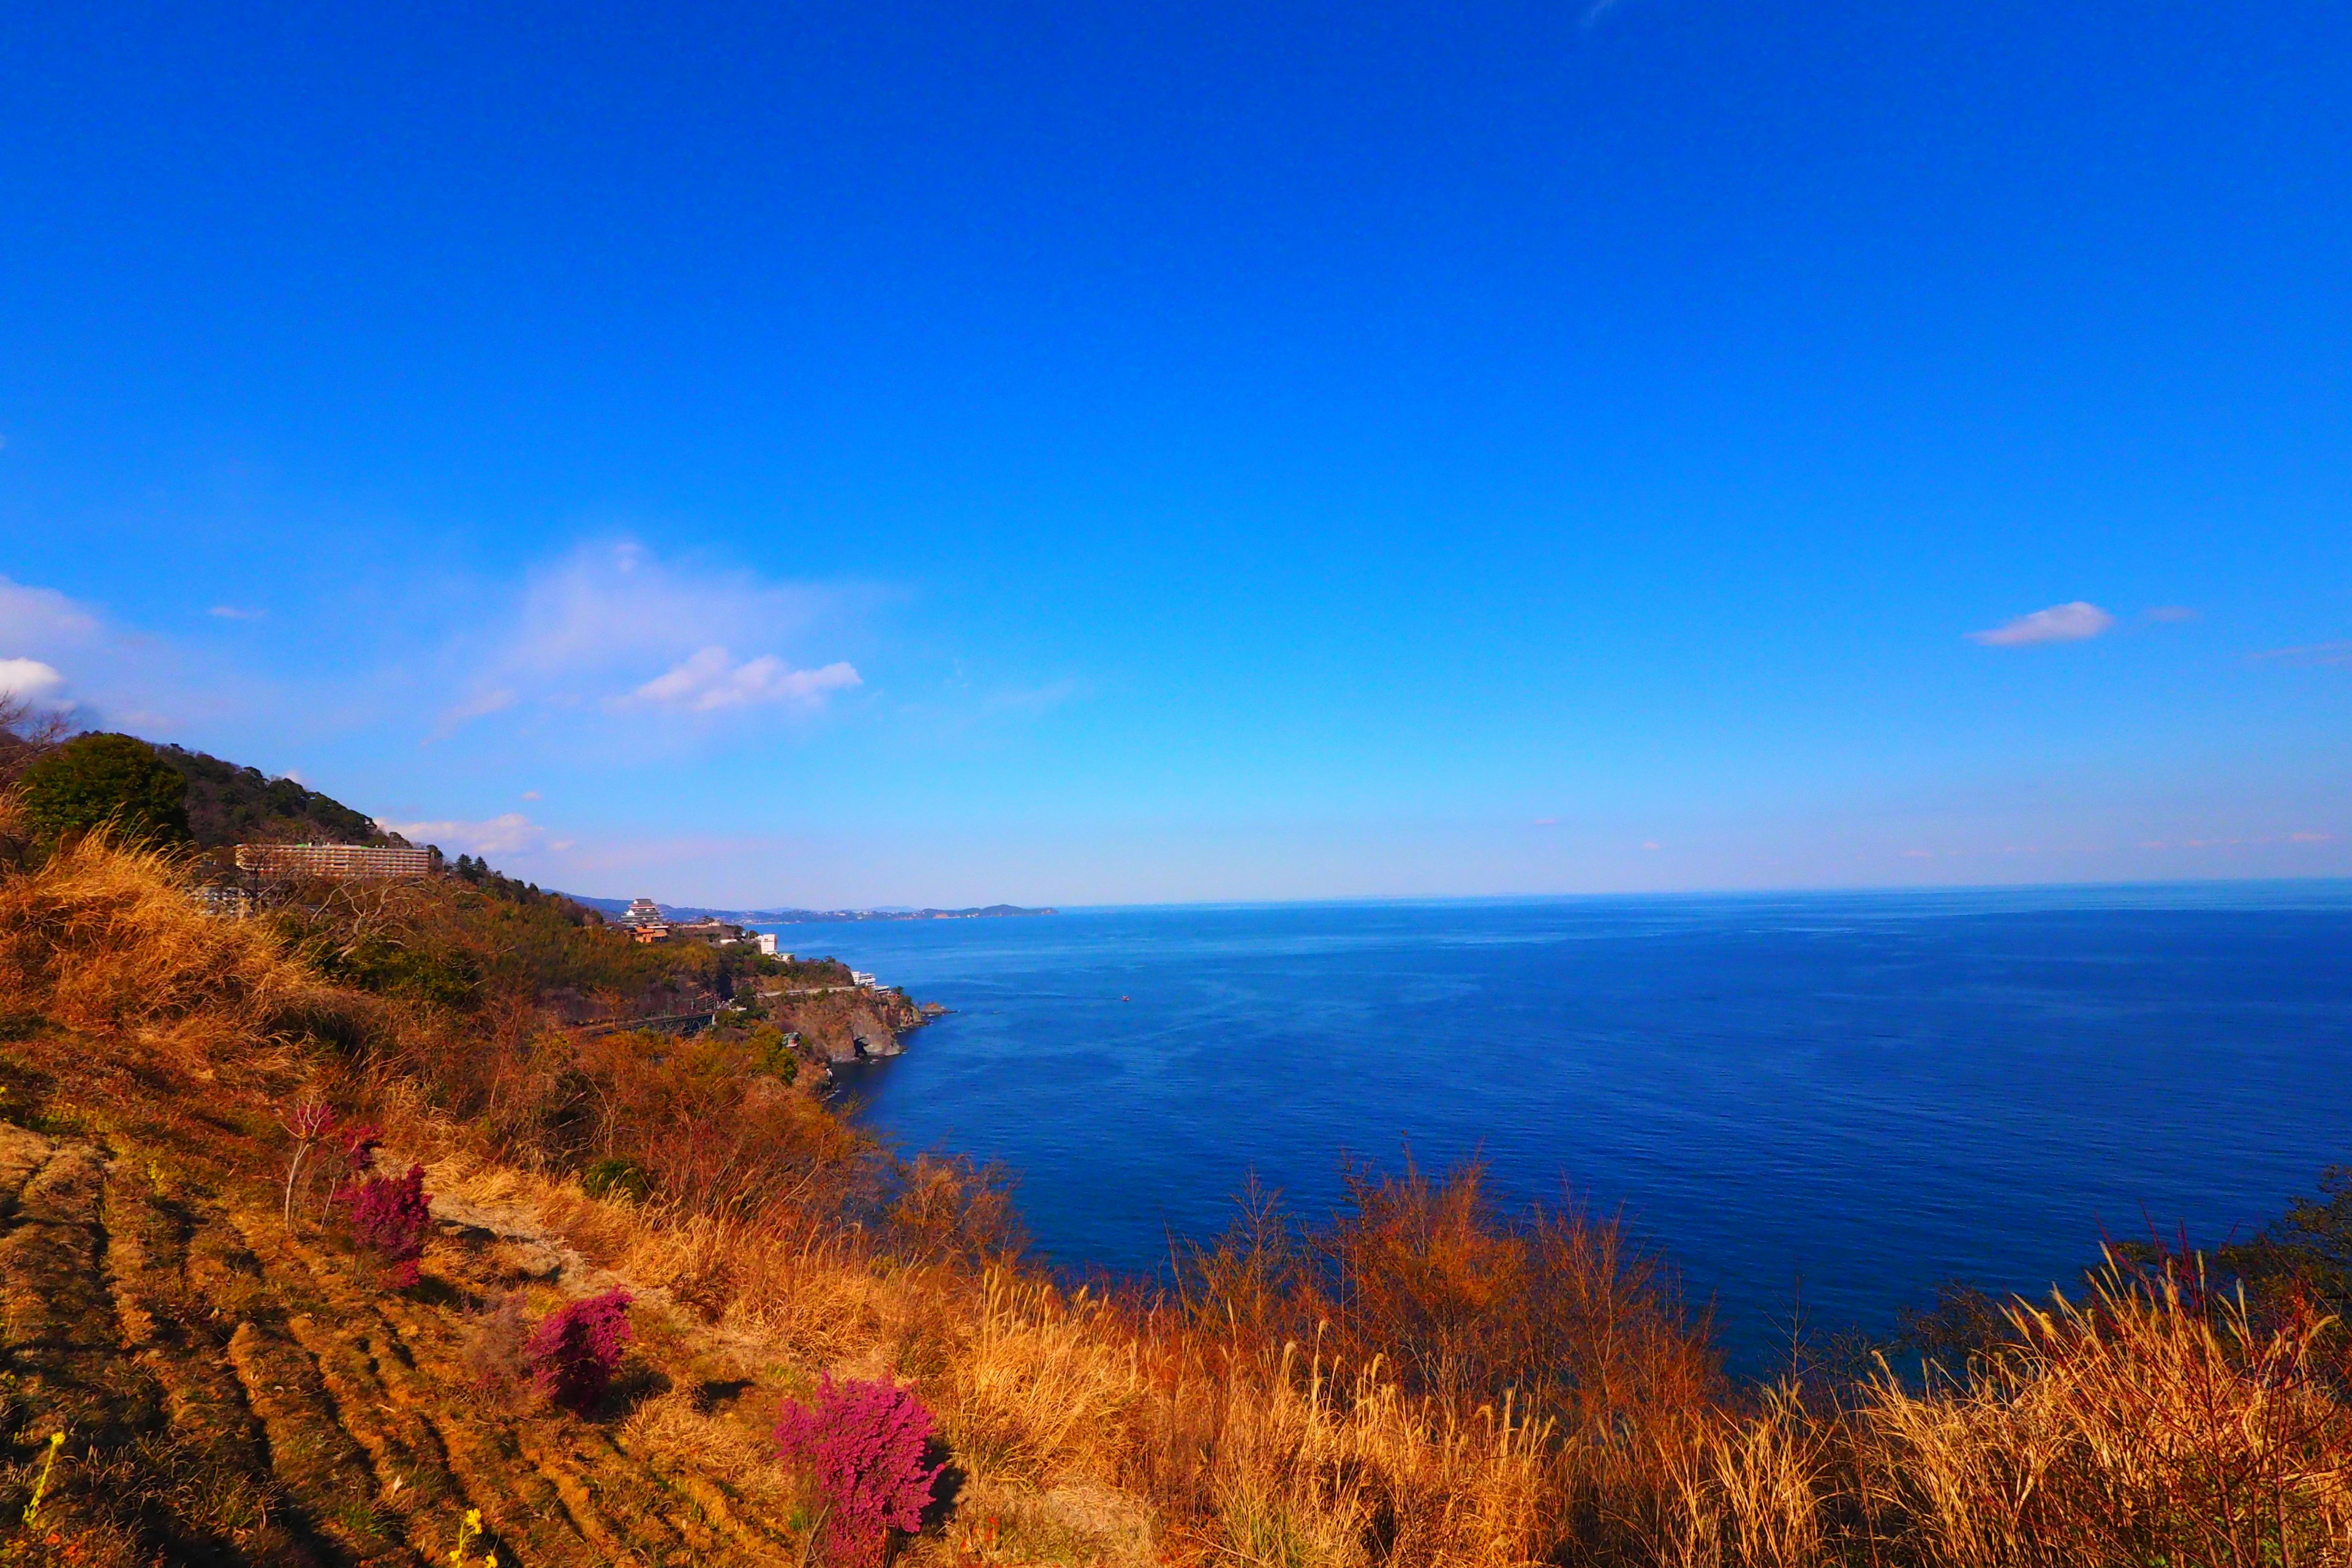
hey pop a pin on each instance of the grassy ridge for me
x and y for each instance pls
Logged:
(1423, 1378)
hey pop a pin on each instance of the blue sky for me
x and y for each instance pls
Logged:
(867, 453)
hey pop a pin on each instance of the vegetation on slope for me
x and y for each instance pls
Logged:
(1422, 1378)
(108, 781)
(227, 804)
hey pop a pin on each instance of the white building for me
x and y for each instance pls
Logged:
(768, 947)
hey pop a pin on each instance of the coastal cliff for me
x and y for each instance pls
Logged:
(844, 1023)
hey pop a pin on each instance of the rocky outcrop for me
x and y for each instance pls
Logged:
(848, 1024)
(870, 1037)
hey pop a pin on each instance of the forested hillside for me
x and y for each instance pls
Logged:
(227, 804)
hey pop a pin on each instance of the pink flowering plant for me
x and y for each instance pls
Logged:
(573, 1352)
(387, 1216)
(864, 1445)
(359, 1141)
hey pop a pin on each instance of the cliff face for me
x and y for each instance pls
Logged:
(845, 1025)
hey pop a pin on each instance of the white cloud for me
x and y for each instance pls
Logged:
(2059, 623)
(43, 617)
(27, 678)
(510, 834)
(710, 681)
(613, 627)
(122, 677)
(232, 612)
(2309, 653)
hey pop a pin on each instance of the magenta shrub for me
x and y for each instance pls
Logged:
(865, 1443)
(387, 1216)
(574, 1352)
(360, 1141)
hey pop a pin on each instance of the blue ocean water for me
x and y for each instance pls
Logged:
(1823, 1103)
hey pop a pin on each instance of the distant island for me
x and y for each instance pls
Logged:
(806, 917)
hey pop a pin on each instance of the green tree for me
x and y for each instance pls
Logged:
(105, 780)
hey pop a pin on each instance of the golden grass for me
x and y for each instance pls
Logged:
(2144, 1425)
(103, 937)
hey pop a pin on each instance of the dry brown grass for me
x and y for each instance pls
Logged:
(102, 937)
(1039, 1387)
(1423, 1380)
(2147, 1423)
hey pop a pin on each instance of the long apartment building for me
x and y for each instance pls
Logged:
(338, 862)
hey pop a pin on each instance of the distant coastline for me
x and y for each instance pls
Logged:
(810, 917)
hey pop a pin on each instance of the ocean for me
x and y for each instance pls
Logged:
(1818, 1106)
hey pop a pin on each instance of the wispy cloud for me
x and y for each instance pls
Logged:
(84, 660)
(711, 680)
(479, 704)
(614, 627)
(43, 617)
(2310, 654)
(235, 613)
(2242, 842)
(511, 833)
(2076, 621)
(2173, 613)
(1030, 700)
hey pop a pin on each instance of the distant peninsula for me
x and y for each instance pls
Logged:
(809, 917)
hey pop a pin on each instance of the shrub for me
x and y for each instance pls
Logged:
(387, 1216)
(773, 1048)
(864, 1444)
(574, 1352)
(616, 1176)
(105, 779)
(492, 1350)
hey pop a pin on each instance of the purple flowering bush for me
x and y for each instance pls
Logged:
(864, 1444)
(574, 1352)
(387, 1216)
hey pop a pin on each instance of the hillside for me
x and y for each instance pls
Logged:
(228, 804)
